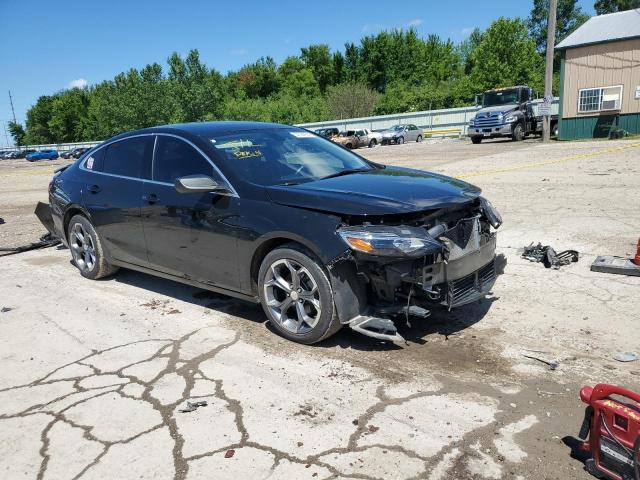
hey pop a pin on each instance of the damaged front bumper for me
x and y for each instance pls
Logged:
(458, 271)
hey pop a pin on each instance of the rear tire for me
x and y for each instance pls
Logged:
(296, 295)
(419, 139)
(349, 146)
(476, 140)
(87, 250)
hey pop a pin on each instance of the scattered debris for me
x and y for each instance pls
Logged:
(626, 357)
(618, 265)
(191, 406)
(2, 221)
(551, 364)
(161, 305)
(6, 309)
(46, 240)
(548, 256)
(373, 428)
(173, 311)
(229, 453)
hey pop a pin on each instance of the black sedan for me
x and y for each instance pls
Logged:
(275, 214)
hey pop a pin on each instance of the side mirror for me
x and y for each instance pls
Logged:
(198, 184)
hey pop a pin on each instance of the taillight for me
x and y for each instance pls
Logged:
(52, 186)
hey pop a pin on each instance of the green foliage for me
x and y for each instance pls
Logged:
(612, 6)
(349, 100)
(507, 55)
(17, 132)
(569, 16)
(390, 72)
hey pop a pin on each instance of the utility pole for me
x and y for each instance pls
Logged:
(548, 72)
(12, 110)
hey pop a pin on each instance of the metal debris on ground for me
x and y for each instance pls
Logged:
(5, 309)
(46, 240)
(191, 406)
(548, 256)
(552, 364)
(626, 357)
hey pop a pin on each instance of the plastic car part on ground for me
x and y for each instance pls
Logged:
(548, 256)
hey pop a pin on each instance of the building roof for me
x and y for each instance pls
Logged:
(605, 28)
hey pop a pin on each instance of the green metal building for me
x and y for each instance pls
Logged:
(600, 77)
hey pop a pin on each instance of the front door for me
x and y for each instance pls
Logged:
(188, 234)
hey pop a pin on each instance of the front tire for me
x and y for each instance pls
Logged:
(400, 140)
(518, 133)
(372, 143)
(476, 140)
(296, 295)
(86, 249)
(419, 139)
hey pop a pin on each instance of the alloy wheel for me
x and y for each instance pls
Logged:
(292, 295)
(82, 248)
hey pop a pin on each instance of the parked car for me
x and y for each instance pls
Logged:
(42, 155)
(5, 155)
(24, 153)
(401, 133)
(328, 132)
(320, 236)
(358, 138)
(78, 152)
(75, 152)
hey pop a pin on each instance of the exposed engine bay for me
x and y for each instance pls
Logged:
(409, 264)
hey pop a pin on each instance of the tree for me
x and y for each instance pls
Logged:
(507, 56)
(17, 132)
(318, 59)
(37, 122)
(569, 17)
(350, 100)
(68, 115)
(611, 6)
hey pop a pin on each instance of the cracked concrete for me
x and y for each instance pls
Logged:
(95, 373)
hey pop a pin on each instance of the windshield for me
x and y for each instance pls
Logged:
(349, 133)
(503, 97)
(397, 128)
(281, 156)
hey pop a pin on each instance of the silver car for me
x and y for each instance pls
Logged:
(402, 133)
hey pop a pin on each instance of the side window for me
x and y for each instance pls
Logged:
(95, 161)
(412, 127)
(175, 158)
(130, 157)
(360, 133)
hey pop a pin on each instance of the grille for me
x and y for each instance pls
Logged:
(487, 120)
(473, 286)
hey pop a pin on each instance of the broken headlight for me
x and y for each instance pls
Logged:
(495, 219)
(389, 241)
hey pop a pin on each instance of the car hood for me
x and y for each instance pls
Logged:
(390, 190)
(499, 108)
(390, 133)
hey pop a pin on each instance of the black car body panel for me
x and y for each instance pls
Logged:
(217, 240)
(391, 190)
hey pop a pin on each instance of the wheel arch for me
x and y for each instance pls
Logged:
(69, 213)
(270, 243)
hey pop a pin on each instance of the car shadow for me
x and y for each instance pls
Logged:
(416, 331)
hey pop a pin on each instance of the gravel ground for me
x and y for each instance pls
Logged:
(95, 372)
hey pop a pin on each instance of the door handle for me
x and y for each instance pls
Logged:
(150, 199)
(93, 188)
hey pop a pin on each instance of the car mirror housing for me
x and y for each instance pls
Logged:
(198, 183)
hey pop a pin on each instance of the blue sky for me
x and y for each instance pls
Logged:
(48, 45)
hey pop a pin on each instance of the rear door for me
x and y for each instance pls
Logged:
(189, 234)
(363, 139)
(112, 194)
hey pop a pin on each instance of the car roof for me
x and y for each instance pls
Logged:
(205, 129)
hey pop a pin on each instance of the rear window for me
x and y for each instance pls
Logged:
(130, 157)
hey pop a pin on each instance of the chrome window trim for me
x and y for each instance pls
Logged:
(82, 167)
(234, 193)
